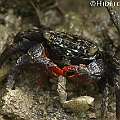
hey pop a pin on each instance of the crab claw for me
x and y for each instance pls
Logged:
(77, 73)
(55, 71)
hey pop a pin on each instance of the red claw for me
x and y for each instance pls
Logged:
(77, 73)
(69, 68)
(56, 71)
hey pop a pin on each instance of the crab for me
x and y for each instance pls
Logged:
(55, 54)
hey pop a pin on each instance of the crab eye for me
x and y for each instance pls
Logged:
(47, 35)
(93, 49)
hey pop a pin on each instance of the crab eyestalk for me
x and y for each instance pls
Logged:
(93, 49)
(46, 34)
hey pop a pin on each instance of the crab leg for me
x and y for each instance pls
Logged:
(113, 15)
(117, 92)
(20, 46)
(116, 20)
(13, 73)
(31, 35)
(104, 104)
